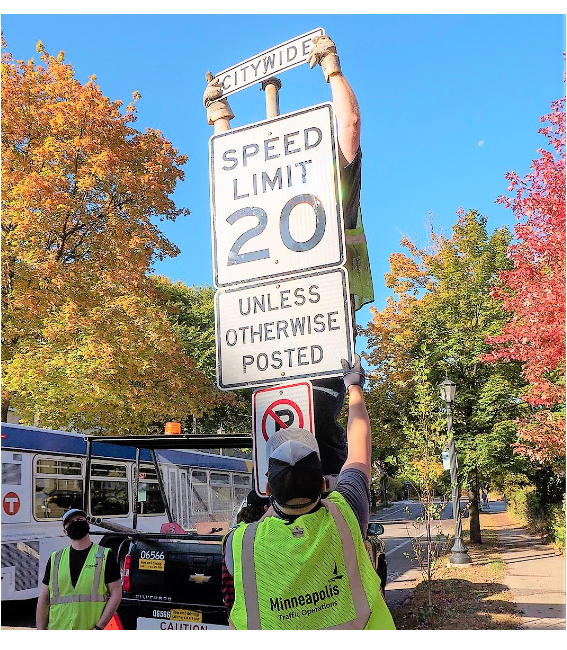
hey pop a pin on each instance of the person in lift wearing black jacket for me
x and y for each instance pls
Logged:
(328, 394)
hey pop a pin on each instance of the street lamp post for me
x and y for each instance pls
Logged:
(459, 553)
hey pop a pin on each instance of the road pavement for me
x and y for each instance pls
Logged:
(400, 528)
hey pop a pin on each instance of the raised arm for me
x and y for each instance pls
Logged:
(346, 107)
(348, 116)
(358, 427)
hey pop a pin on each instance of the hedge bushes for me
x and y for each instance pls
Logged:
(548, 521)
(557, 524)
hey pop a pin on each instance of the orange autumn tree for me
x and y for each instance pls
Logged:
(85, 341)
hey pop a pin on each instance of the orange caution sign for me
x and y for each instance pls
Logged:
(114, 623)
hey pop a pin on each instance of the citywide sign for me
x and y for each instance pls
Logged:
(275, 198)
(271, 62)
(283, 329)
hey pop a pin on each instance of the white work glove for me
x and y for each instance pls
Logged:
(324, 52)
(217, 106)
(353, 375)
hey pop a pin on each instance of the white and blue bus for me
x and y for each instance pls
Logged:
(43, 475)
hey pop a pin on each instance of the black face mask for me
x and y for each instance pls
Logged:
(78, 529)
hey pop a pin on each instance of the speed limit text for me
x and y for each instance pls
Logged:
(270, 149)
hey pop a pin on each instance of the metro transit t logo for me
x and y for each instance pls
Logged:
(11, 503)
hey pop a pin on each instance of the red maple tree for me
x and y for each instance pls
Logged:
(534, 291)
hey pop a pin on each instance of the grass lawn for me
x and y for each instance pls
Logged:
(469, 598)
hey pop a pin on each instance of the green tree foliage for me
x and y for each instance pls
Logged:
(424, 431)
(442, 310)
(190, 310)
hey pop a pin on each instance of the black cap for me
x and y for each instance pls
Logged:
(294, 466)
(72, 513)
(254, 499)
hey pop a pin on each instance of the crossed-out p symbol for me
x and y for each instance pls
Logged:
(283, 417)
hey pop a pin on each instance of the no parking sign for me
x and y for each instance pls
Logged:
(276, 408)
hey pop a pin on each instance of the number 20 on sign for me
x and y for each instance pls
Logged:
(275, 198)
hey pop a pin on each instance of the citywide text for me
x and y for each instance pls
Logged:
(271, 62)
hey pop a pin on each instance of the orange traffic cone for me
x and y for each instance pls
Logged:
(114, 623)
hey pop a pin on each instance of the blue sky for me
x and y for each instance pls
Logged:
(431, 88)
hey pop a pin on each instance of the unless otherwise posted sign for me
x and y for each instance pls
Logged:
(281, 330)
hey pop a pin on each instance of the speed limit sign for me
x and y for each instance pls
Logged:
(275, 198)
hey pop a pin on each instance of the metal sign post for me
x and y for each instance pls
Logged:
(271, 87)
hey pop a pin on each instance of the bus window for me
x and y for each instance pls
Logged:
(185, 506)
(58, 486)
(149, 495)
(12, 473)
(220, 490)
(241, 485)
(199, 492)
(109, 490)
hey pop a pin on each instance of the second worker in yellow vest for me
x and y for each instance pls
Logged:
(81, 588)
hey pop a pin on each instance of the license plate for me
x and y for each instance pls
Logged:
(151, 565)
(186, 616)
(166, 624)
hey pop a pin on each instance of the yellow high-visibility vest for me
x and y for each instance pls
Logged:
(79, 607)
(311, 574)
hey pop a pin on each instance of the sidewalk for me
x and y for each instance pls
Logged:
(534, 572)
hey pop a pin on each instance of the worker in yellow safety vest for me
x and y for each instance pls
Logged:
(81, 586)
(303, 565)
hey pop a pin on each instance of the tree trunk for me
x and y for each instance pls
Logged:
(383, 481)
(474, 509)
(373, 499)
(5, 407)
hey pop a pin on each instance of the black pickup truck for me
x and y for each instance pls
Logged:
(171, 577)
(173, 584)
